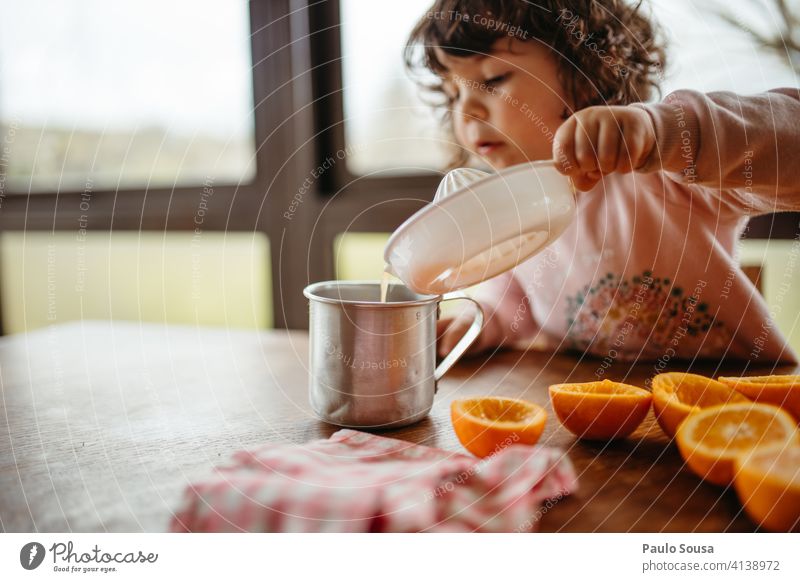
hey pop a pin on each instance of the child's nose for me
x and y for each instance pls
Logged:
(473, 108)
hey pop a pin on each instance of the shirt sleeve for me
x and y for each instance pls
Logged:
(743, 149)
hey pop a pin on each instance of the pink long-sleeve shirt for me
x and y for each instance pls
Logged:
(648, 270)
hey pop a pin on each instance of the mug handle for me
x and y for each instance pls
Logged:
(466, 340)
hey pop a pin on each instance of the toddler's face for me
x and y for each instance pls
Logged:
(506, 105)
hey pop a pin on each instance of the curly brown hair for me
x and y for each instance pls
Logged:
(610, 52)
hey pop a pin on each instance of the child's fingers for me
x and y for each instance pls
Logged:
(564, 147)
(442, 325)
(573, 152)
(445, 330)
(456, 329)
(586, 181)
(608, 146)
(585, 146)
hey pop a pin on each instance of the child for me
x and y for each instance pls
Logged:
(648, 270)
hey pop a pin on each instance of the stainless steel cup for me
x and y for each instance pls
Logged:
(373, 364)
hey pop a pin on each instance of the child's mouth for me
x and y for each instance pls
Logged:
(486, 148)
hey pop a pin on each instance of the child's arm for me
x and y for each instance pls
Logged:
(720, 140)
(507, 312)
(748, 145)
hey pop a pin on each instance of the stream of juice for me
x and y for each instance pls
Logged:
(384, 285)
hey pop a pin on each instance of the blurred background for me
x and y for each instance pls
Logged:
(198, 162)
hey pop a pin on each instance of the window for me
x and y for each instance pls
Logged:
(220, 279)
(387, 125)
(707, 53)
(125, 94)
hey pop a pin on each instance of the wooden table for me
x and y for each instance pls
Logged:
(103, 425)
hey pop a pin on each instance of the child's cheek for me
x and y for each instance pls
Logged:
(458, 131)
(523, 133)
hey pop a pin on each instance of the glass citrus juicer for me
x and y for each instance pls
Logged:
(480, 225)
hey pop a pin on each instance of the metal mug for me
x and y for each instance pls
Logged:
(373, 364)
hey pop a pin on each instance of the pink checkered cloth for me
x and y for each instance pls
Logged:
(361, 482)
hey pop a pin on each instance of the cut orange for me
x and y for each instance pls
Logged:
(783, 391)
(676, 395)
(600, 410)
(711, 439)
(768, 484)
(487, 424)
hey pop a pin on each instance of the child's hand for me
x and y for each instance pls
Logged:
(449, 331)
(601, 140)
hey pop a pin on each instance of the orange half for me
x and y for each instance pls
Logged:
(488, 424)
(711, 440)
(768, 485)
(783, 391)
(676, 395)
(600, 410)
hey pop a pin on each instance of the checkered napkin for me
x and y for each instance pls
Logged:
(360, 482)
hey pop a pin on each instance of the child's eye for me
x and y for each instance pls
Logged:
(495, 81)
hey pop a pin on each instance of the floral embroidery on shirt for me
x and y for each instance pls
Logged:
(624, 315)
